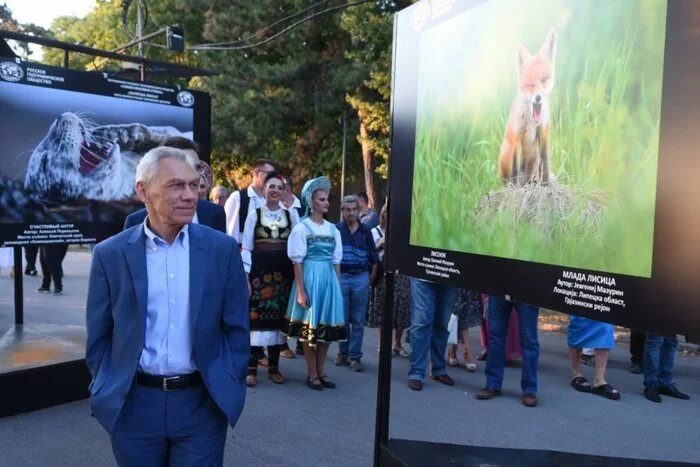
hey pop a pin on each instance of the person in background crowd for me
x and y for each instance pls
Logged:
(513, 349)
(7, 260)
(30, 254)
(207, 177)
(207, 213)
(289, 200)
(167, 326)
(499, 311)
(431, 307)
(270, 275)
(659, 356)
(584, 332)
(402, 293)
(637, 339)
(218, 195)
(51, 262)
(241, 202)
(469, 310)
(357, 270)
(202, 190)
(367, 215)
(291, 203)
(315, 310)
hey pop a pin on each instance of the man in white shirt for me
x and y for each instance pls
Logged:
(249, 198)
(289, 200)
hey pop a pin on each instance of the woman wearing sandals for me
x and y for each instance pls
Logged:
(584, 332)
(270, 275)
(469, 311)
(402, 294)
(315, 310)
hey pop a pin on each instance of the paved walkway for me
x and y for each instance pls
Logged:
(292, 425)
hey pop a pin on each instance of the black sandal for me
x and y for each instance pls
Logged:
(580, 383)
(326, 382)
(314, 383)
(607, 391)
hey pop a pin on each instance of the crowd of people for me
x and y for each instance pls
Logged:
(203, 309)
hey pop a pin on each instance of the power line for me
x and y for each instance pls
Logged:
(265, 29)
(283, 31)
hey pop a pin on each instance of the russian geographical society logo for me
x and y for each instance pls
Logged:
(10, 71)
(185, 98)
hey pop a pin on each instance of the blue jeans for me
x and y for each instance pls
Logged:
(430, 314)
(355, 288)
(499, 313)
(659, 354)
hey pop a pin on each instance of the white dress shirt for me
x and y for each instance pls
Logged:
(233, 205)
(168, 342)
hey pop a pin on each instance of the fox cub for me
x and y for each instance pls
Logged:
(525, 150)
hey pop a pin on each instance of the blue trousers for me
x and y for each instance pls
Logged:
(175, 428)
(499, 315)
(431, 306)
(659, 356)
(355, 288)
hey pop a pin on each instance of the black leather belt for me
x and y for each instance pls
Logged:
(169, 383)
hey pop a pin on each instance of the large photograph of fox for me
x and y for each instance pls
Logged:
(524, 154)
(538, 140)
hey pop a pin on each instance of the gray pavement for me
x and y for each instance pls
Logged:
(292, 425)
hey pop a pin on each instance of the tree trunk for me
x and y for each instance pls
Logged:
(370, 165)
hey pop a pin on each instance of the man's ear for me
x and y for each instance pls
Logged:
(142, 193)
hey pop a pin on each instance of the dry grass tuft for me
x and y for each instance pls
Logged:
(544, 205)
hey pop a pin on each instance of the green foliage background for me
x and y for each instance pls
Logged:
(605, 111)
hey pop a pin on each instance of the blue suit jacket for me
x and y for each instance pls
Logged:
(116, 319)
(209, 214)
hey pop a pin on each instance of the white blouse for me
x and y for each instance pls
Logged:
(377, 233)
(248, 240)
(296, 246)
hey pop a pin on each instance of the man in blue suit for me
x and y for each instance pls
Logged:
(167, 326)
(208, 213)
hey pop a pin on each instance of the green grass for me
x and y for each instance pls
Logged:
(604, 145)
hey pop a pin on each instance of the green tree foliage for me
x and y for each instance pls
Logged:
(283, 100)
(9, 23)
(371, 31)
(102, 28)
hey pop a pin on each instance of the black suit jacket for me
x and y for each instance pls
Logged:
(209, 214)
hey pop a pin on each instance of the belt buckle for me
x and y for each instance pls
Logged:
(165, 382)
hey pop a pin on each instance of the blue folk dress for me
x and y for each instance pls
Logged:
(317, 248)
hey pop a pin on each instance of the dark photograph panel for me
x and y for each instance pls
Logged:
(71, 144)
(550, 160)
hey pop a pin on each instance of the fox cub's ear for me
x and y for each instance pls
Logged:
(549, 48)
(524, 58)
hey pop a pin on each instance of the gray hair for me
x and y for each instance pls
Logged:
(349, 199)
(219, 188)
(150, 163)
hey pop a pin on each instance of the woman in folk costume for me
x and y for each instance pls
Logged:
(315, 310)
(270, 273)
